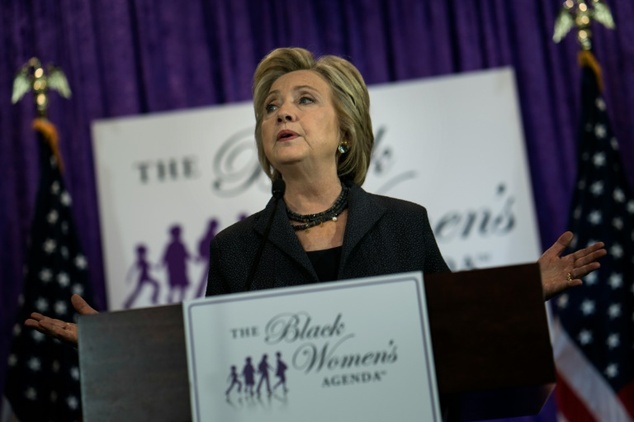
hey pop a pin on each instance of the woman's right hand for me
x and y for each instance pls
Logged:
(66, 331)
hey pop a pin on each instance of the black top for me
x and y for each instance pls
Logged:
(326, 263)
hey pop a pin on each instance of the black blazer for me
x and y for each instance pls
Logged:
(383, 236)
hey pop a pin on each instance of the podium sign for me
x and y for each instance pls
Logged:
(353, 350)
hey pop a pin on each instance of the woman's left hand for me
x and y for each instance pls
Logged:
(561, 272)
(57, 328)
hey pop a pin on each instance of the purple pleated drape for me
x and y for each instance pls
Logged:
(129, 57)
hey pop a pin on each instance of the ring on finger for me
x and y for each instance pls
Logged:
(569, 277)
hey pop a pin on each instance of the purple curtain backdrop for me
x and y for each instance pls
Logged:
(129, 57)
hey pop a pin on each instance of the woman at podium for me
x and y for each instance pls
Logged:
(314, 138)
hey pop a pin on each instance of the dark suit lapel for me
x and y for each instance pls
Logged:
(283, 236)
(363, 213)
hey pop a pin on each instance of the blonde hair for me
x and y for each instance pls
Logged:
(350, 97)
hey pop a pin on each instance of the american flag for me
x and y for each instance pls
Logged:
(593, 336)
(43, 374)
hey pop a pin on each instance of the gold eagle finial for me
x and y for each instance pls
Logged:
(581, 13)
(32, 76)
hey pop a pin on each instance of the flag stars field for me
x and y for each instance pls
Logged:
(591, 279)
(585, 337)
(614, 311)
(599, 131)
(612, 370)
(77, 289)
(618, 195)
(60, 308)
(595, 217)
(63, 279)
(74, 373)
(587, 307)
(49, 246)
(613, 341)
(30, 393)
(64, 198)
(617, 223)
(52, 217)
(46, 275)
(615, 281)
(616, 251)
(80, 262)
(41, 304)
(597, 188)
(562, 301)
(598, 159)
(38, 336)
(35, 364)
(72, 402)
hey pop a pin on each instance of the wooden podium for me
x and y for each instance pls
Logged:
(491, 342)
(489, 334)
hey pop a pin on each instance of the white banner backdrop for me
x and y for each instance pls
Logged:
(168, 182)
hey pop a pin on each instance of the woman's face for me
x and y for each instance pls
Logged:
(300, 128)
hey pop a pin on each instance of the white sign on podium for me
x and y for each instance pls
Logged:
(338, 351)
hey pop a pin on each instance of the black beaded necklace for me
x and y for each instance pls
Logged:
(311, 220)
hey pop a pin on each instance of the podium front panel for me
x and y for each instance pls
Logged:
(134, 366)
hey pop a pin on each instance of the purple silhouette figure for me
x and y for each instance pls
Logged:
(142, 268)
(203, 254)
(233, 377)
(175, 259)
(280, 372)
(263, 370)
(248, 373)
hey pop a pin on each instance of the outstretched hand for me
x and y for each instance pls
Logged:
(57, 328)
(561, 272)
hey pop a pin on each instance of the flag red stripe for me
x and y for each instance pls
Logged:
(569, 403)
(626, 395)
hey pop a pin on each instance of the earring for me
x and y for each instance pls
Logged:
(343, 147)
